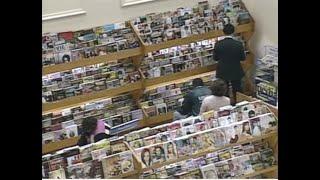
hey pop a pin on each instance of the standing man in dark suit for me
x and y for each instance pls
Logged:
(229, 53)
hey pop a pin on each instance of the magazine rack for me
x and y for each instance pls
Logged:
(138, 88)
(270, 137)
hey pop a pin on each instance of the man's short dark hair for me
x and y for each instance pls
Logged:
(228, 29)
(219, 87)
(197, 82)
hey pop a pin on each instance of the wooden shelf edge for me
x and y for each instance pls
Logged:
(78, 100)
(58, 145)
(195, 38)
(263, 171)
(134, 172)
(154, 120)
(179, 75)
(90, 61)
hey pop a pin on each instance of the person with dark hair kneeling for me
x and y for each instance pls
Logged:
(93, 130)
(229, 53)
(192, 101)
(217, 99)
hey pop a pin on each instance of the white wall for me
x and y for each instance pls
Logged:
(265, 14)
(100, 12)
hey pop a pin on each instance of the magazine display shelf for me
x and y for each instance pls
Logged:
(204, 152)
(90, 61)
(271, 137)
(193, 38)
(138, 88)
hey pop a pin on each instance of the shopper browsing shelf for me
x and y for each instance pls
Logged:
(93, 130)
(217, 99)
(193, 100)
(229, 53)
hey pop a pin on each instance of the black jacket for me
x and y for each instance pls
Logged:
(229, 52)
(193, 100)
(83, 140)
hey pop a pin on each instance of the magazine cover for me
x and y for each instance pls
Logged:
(162, 137)
(245, 164)
(126, 162)
(223, 170)
(99, 154)
(255, 160)
(183, 146)
(72, 131)
(248, 114)
(187, 121)
(85, 152)
(158, 154)
(207, 115)
(149, 140)
(76, 171)
(200, 161)
(200, 126)
(209, 172)
(196, 143)
(161, 108)
(117, 148)
(57, 174)
(111, 166)
(176, 133)
(137, 143)
(267, 157)
(256, 127)
(219, 137)
(225, 120)
(144, 155)
(237, 151)
(248, 148)
(56, 163)
(188, 130)
(224, 154)
(207, 141)
(174, 126)
(268, 123)
(60, 135)
(48, 138)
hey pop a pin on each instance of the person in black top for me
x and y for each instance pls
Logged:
(193, 100)
(229, 53)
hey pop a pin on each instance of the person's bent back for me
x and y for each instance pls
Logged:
(93, 130)
(217, 99)
(193, 100)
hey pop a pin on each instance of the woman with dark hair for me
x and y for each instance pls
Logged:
(158, 154)
(145, 157)
(170, 151)
(93, 130)
(217, 99)
(246, 129)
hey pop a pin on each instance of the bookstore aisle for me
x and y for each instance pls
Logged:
(133, 75)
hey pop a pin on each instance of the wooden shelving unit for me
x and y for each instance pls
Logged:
(271, 134)
(55, 146)
(77, 100)
(138, 87)
(263, 171)
(161, 119)
(90, 61)
(193, 38)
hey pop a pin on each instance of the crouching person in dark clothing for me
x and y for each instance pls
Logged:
(193, 100)
(93, 130)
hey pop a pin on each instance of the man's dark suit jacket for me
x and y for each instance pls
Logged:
(229, 52)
